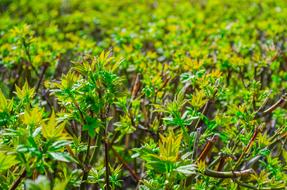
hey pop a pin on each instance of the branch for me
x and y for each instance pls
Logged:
(254, 187)
(132, 172)
(205, 108)
(18, 180)
(196, 141)
(279, 103)
(229, 174)
(107, 177)
(43, 71)
(255, 133)
(208, 147)
(136, 86)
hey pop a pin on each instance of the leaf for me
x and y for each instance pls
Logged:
(25, 93)
(41, 183)
(32, 117)
(187, 170)
(59, 144)
(3, 102)
(62, 156)
(169, 147)
(53, 130)
(92, 126)
(7, 161)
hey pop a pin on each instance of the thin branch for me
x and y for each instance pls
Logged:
(131, 171)
(18, 180)
(208, 147)
(196, 142)
(277, 104)
(280, 102)
(254, 187)
(43, 71)
(255, 133)
(264, 102)
(107, 177)
(229, 174)
(205, 108)
(136, 86)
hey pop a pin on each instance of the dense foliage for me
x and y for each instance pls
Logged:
(150, 95)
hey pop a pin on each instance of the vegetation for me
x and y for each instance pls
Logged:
(146, 94)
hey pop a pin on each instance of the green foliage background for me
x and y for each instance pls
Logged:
(146, 94)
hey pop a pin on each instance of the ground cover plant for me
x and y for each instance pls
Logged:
(149, 95)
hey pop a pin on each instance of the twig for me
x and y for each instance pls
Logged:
(264, 103)
(107, 177)
(43, 71)
(279, 103)
(253, 187)
(131, 171)
(205, 108)
(18, 180)
(26, 48)
(208, 147)
(229, 174)
(136, 86)
(255, 133)
(196, 141)
(203, 113)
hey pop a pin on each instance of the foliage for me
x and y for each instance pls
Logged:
(143, 94)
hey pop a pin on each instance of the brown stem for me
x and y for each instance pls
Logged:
(136, 86)
(132, 172)
(208, 147)
(18, 180)
(44, 69)
(264, 103)
(26, 48)
(279, 103)
(255, 133)
(107, 177)
(221, 163)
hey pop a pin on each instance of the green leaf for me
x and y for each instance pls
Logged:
(62, 156)
(187, 170)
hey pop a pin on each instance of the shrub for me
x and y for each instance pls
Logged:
(143, 95)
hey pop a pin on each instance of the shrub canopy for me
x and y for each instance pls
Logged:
(143, 94)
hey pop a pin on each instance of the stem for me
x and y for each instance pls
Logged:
(107, 166)
(208, 147)
(88, 150)
(279, 103)
(26, 48)
(96, 150)
(84, 178)
(256, 131)
(132, 172)
(18, 180)
(206, 108)
(196, 141)
(41, 77)
(136, 86)
(253, 187)
(203, 113)
(229, 174)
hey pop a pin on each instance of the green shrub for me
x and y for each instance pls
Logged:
(143, 94)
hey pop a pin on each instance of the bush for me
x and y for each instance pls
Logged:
(143, 94)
